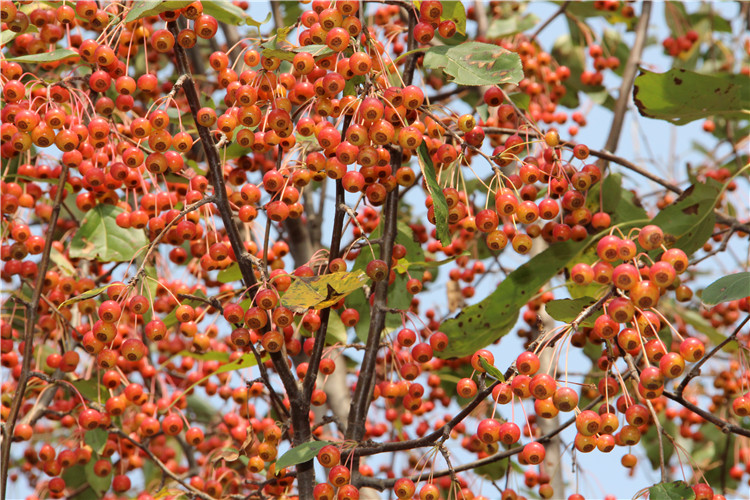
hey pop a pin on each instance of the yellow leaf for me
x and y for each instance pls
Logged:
(320, 292)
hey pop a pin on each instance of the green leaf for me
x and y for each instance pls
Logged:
(491, 370)
(520, 99)
(290, 12)
(62, 262)
(234, 151)
(300, 454)
(171, 319)
(205, 356)
(86, 295)
(676, 490)
(566, 310)
(680, 96)
(733, 287)
(156, 7)
(245, 361)
(336, 333)
(100, 237)
(438, 199)
(478, 325)
(456, 12)
(252, 22)
(90, 389)
(44, 57)
(651, 442)
(475, 63)
(224, 11)
(230, 274)
(98, 484)
(690, 220)
(501, 27)
(97, 439)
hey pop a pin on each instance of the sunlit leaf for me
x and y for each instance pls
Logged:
(475, 63)
(456, 12)
(245, 361)
(491, 370)
(321, 291)
(99, 237)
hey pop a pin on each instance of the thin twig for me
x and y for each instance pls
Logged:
(696, 370)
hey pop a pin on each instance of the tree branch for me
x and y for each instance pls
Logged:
(628, 78)
(28, 351)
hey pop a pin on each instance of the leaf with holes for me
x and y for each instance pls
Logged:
(480, 324)
(439, 204)
(300, 454)
(680, 96)
(689, 222)
(44, 57)
(475, 63)
(99, 237)
(154, 7)
(733, 287)
(321, 291)
(676, 490)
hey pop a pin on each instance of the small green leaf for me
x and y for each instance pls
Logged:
(97, 483)
(90, 389)
(224, 11)
(733, 287)
(438, 199)
(206, 356)
(171, 319)
(680, 96)
(336, 333)
(230, 274)
(155, 7)
(234, 151)
(504, 26)
(456, 12)
(245, 361)
(44, 57)
(86, 295)
(566, 310)
(676, 490)
(475, 63)
(491, 370)
(252, 22)
(62, 262)
(97, 439)
(99, 237)
(300, 454)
